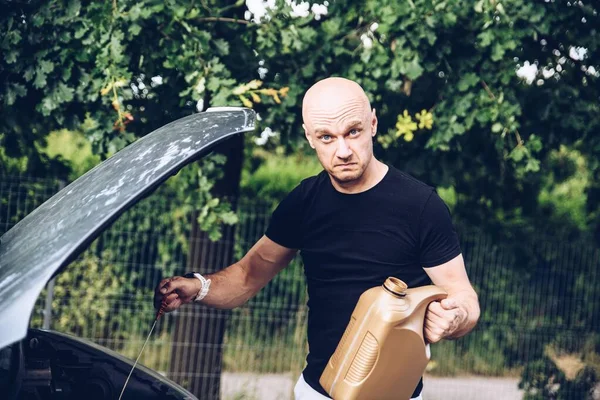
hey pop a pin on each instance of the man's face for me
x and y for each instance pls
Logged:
(342, 138)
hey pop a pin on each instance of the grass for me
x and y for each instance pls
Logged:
(449, 360)
(156, 355)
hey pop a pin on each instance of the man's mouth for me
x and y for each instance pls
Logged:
(346, 164)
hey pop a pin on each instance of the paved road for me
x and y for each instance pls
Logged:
(279, 387)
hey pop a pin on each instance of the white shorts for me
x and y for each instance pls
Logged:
(303, 391)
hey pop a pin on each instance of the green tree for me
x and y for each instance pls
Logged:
(487, 127)
(472, 96)
(114, 70)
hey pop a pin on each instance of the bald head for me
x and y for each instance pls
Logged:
(333, 97)
(339, 124)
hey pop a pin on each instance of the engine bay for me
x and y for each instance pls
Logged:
(48, 365)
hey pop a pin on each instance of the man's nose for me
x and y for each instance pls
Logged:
(343, 150)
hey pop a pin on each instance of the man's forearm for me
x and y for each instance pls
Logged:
(230, 288)
(236, 284)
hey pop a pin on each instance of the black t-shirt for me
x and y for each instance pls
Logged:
(352, 242)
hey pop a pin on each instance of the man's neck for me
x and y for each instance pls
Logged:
(371, 177)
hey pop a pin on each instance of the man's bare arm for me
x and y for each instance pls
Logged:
(458, 314)
(232, 286)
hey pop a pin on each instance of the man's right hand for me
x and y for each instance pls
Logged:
(176, 291)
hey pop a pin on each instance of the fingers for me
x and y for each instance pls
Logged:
(165, 288)
(170, 285)
(436, 328)
(172, 302)
(437, 309)
(431, 335)
(443, 323)
(440, 322)
(449, 304)
(175, 291)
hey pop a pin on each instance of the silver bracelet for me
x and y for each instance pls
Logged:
(205, 286)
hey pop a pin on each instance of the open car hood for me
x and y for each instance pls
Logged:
(60, 229)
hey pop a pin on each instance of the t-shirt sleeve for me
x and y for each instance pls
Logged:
(437, 237)
(285, 225)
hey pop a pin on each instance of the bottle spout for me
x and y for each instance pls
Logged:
(395, 286)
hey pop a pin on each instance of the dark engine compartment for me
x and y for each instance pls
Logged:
(48, 365)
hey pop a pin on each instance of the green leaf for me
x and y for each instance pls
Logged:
(179, 11)
(14, 91)
(79, 32)
(46, 66)
(332, 26)
(134, 29)
(14, 37)
(11, 56)
(485, 38)
(48, 105)
(29, 73)
(497, 52)
(413, 70)
(219, 159)
(222, 46)
(534, 143)
(187, 26)
(533, 165)
(63, 93)
(449, 19)
(497, 127)
(193, 13)
(73, 9)
(66, 73)
(135, 12)
(518, 153)
(478, 7)
(40, 79)
(458, 129)
(467, 81)
(116, 47)
(214, 235)
(229, 218)
(146, 12)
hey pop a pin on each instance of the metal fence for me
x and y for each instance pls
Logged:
(540, 308)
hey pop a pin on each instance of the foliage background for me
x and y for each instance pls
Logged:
(493, 102)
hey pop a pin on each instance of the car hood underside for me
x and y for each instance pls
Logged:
(55, 233)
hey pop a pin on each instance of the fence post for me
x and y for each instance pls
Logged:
(197, 355)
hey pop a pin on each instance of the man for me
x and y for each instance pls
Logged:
(356, 223)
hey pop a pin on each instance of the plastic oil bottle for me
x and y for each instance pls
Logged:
(382, 354)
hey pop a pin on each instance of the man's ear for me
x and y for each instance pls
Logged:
(373, 123)
(308, 137)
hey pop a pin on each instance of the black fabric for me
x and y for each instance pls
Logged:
(352, 242)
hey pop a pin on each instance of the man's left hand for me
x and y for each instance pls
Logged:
(443, 319)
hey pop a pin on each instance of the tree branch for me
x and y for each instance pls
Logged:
(489, 92)
(223, 19)
(239, 3)
(487, 89)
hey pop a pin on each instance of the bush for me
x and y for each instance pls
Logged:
(277, 176)
(543, 379)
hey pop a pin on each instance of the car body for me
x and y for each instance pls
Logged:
(44, 364)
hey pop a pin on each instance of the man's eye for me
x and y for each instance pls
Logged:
(354, 132)
(326, 138)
